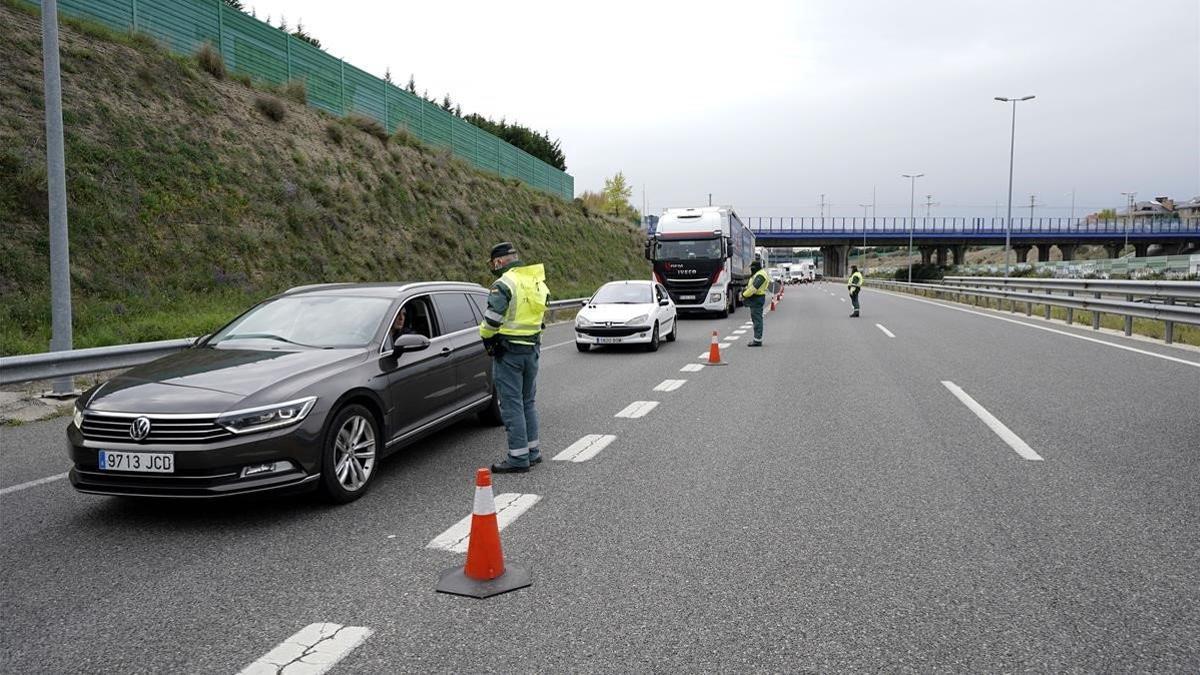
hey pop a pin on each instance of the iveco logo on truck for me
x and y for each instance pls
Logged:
(702, 255)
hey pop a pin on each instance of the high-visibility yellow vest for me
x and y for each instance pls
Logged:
(527, 305)
(856, 280)
(751, 291)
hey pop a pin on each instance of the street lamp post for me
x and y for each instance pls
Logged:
(1128, 217)
(912, 194)
(1011, 146)
(864, 248)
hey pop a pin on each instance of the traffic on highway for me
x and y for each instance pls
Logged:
(933, 474)
(371, 337)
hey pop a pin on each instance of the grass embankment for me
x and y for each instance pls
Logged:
(191, 196)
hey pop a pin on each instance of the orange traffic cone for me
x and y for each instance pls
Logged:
(485, 573)
(772, 304)
(714, 353)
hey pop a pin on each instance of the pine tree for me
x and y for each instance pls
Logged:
(387, 75)
(447, 104)
(236, 4)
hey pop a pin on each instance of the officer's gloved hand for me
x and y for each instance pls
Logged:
(492, 345)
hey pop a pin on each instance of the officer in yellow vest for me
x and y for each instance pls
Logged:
(755, 297)
(511, 331)
(854, 285)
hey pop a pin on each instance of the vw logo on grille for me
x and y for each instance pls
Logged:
(139, 428)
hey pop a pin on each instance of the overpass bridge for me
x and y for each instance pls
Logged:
(946, 239)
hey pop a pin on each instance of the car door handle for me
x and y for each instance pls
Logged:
(446, 351)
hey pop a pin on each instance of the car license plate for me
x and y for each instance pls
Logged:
(154, 462)
(687, 297)
(607, 340)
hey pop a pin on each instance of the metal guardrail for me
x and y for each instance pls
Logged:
(30, 367)
(1159, 300)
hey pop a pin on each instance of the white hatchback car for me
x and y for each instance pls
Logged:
(626, 312)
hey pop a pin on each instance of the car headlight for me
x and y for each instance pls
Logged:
(78, 421)
(638, 320)
(267, 417)
(715, 297)
(581, 320)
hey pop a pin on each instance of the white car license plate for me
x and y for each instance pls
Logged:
(687, 297)
(607, 340)
(154, 462)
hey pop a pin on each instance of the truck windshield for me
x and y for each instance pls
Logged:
(687, 249)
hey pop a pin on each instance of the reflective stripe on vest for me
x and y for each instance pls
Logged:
(527, 301)
(766, 283)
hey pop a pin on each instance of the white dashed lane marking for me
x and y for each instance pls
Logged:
(734, 337)
(585, 448)
(637, 409)
(312, 651)
(32, 483)
(669, 385)
(692, 367)
(509, 505)
(885, 331)
(740, 331)
(1014, 441)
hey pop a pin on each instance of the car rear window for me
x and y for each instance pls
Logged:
(455, 311)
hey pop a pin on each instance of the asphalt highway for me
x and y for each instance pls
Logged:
(829, 502)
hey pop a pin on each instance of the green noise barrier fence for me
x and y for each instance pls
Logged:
(252, 47)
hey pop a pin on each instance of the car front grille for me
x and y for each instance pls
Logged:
(113, 428)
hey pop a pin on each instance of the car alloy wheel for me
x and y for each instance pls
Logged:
(351, 451)
(355, 448)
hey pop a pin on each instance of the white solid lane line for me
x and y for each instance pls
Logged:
(558, 344)
(585, 448)
(32, 483)
(312, 651)
(885, 331)
(1045, 328)
(637, 409)
(692, 367)
(509, 505)
(1014, 441)
(669, 385)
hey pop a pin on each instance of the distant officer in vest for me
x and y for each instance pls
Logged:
(511, 331)
(755, 297)
(854, 285)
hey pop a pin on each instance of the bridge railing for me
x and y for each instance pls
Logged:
(1050, 226)
(51, 365)
(1171, 302)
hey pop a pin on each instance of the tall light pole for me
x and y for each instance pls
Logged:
(1011, 147)
(864, 248)
(61, 330)
(912, 195)
(1072, 216)
(1128, 217)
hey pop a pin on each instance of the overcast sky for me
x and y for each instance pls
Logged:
(768, 105)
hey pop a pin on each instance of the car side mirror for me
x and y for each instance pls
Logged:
(648, 250)
(411, 342)
(664, 302)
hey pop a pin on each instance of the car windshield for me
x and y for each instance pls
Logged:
(624, 294)
(688, 249)
(309, 321)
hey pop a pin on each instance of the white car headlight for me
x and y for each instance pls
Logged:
(78, 418)
(581, 320)
(638, 320)
(267, 417)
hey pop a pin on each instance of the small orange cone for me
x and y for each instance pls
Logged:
(714, 353)
(772, 304)
(485, 573)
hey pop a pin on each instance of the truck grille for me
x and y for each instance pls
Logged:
(112, 428)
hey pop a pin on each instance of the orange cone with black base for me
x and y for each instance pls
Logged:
(714, 353)
(485, 573)
(772, 304)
